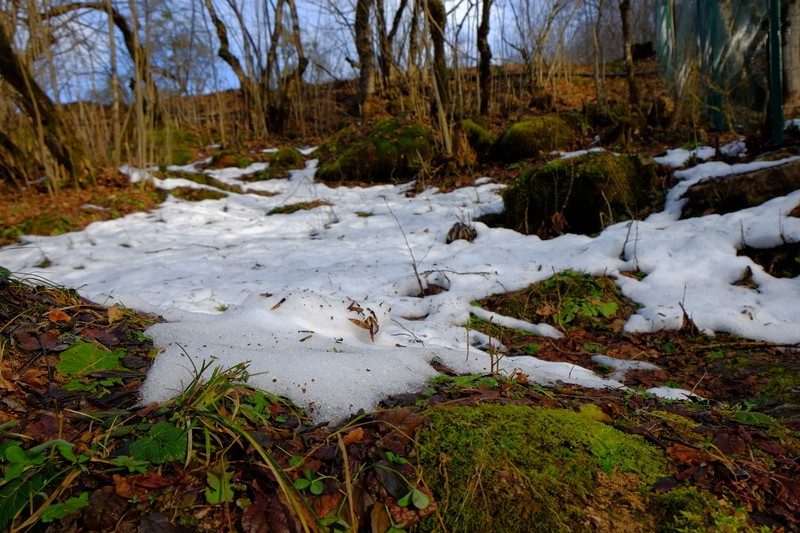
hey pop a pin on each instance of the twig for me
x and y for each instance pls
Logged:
(410, 251)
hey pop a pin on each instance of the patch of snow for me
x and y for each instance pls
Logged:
(621, 366)
(189, 261)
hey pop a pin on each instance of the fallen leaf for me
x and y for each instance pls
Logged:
(122, 487)
(403, 424)
(359, 323)
(157, 523)
(47, 341)
(56, 315)
(107, 337)
(152, 481)
(254, 520)
(355, 435)
(115, 314)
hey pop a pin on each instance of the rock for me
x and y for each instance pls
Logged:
(392, 151)
(478, 137)
(461, 231)
(534, 137)
(578, 195)
(732, 193)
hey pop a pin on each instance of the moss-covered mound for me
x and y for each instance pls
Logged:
(579, 195)
(511, 468)
(478, 137)
(280, 163)
(533, 137)
(392, 151)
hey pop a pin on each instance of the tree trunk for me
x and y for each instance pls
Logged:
(245, 83)
(366, 56)
(291, 81)
(64, 147)
(627, 47)
(437, 17)
(791, 58)
(485, 54)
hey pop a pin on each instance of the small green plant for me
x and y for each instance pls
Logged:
(310, 481)
(532, 348)
(219, 488)
(81, 360)
(163, 443)
(58, 511)
(33, 478)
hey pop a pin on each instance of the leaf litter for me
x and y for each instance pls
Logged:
(233, 458)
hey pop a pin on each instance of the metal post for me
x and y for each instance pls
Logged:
(775, 73)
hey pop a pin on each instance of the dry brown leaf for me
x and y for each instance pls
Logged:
(57, 315)
(122, 487)
(355, 435)
(115, 314)
(359, 323)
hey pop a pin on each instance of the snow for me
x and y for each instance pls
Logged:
(279, 291)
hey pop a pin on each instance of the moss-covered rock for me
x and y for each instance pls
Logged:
(229, 158)
(510, 468)
(478, 137)
(280, 163)
(391, 151)
(533, 137)
(286, 158)
(579, 195)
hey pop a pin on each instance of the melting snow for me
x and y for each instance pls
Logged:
(323, 304)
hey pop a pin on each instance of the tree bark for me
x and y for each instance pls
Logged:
(437, 17)
(224, 53)
(485, 64)
(64, 147)
(627, 47)
(791, 58)
(366, 56)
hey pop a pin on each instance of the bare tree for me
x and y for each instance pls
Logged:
(366, 55)
(485, 59)
(71, 160)
(627, 48)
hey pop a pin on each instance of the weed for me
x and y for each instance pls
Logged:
(34, 478)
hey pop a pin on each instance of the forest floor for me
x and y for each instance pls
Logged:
(79, 454)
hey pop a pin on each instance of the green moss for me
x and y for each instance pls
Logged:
(534, 137)
(229, 158)
(690, 510)
(497, 467)
(280, 163)
(579, 195)
(176, 147)
(391, 151)
(43, 224)
(568, 300)
(196, 195)
(286, 158)
(478, 137)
